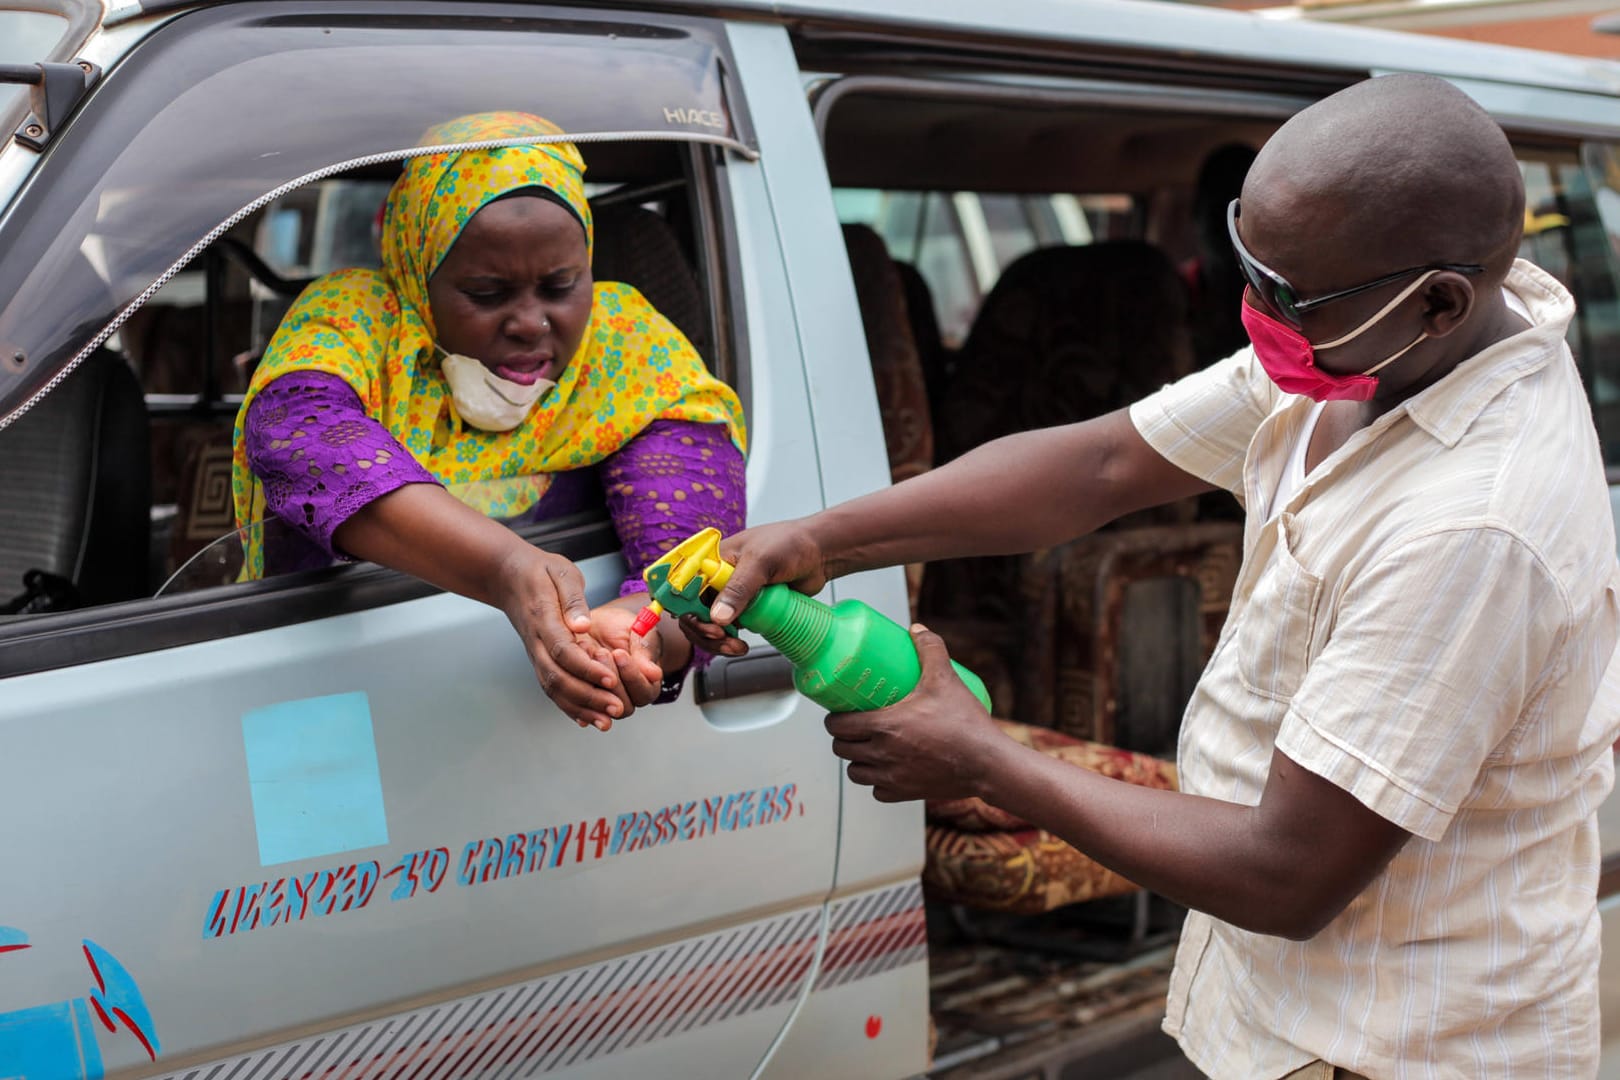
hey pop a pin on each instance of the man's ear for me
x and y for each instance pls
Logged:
(1448, 299)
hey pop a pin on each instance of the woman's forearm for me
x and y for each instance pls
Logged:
(424, 531)
(1015, 494)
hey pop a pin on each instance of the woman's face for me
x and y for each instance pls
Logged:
(514, 292)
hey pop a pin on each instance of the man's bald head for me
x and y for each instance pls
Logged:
(1397, 171)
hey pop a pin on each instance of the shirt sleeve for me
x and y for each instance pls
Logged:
(1436, 653)
(1203, 424)
(676, 478)
(320, 457)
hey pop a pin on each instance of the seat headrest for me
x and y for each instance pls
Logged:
(897, 369)
(1066, 334)
(637, 247)
(74, 485)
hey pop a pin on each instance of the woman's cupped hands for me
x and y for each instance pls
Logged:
(587, 660)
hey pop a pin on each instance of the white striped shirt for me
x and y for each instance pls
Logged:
(1428, 622)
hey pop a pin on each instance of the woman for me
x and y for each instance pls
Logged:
(480, 376)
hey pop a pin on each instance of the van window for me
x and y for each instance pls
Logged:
(115, 206)
(153, 266)
(1572, 230)
(960, 241)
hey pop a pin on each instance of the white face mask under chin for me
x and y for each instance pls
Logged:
(484, 399)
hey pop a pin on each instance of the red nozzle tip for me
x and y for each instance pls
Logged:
(646, 619)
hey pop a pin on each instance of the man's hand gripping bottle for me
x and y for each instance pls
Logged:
(847, 658)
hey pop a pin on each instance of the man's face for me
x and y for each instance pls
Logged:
(1305, 239)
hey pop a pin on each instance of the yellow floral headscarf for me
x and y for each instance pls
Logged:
(374, 330)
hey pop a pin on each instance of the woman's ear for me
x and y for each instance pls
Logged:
(1447, 302)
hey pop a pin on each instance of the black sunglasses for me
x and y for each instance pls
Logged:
(1280, 296)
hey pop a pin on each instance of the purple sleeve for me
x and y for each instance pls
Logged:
(674, 479)
(319, 456)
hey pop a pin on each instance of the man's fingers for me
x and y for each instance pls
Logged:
(740, 590)
(702, 630)
(711, 638)
(870, 775)
(850, 726)
(931, 651)
(857, 750)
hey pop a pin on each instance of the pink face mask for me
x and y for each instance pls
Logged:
(1290, 359)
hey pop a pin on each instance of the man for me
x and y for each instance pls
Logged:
(1391, 765)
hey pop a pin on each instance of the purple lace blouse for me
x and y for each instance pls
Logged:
(321, 459)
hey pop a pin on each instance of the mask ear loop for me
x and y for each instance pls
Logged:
(1385, 310)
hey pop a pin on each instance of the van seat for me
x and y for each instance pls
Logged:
(637, 247)
(1066, 334)
(1118, 627)
(931, 350)
(902, 391)
(985, 858)
(75, 486)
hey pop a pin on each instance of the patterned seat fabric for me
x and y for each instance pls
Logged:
(1118, 626)
(984, 857)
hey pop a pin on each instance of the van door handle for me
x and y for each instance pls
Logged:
(762, 670)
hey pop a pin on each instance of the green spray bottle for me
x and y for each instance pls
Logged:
(846, 658)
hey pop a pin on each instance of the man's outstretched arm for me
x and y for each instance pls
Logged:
(1019, 493)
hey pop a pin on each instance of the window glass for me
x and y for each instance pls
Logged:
(1570, 231)
(961, 241)
(1010, 221)
(924, 229)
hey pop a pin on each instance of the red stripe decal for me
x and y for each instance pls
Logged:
(102, 1013)
(123, 1018)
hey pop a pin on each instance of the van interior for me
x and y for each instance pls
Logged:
(1019, 262)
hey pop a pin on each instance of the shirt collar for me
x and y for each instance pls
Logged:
(1448, 408)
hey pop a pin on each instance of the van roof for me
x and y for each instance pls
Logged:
(1184, 29)
(1192, 30)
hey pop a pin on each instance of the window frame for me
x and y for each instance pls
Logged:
(1568, 152)
(38, 643)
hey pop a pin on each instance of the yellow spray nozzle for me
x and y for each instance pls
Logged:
(698, 556)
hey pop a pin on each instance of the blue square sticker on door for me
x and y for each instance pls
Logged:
(312, 768)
